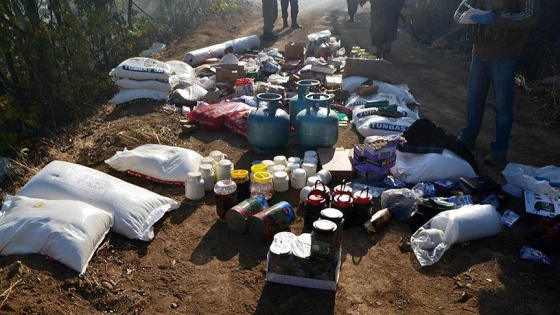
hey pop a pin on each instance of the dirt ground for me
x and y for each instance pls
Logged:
(196, 265)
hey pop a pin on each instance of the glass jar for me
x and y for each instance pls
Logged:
(225, 191)
(241, 178)
(323, 243)
(194, 186)
(207, 173)
(261, 184)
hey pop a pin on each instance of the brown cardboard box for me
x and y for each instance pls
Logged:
(337, 162)
(294, 51)
(375, 69)
(230, 72)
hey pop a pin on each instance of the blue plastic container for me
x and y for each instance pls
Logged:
(297, 103)
(268, 127)
(317, 125)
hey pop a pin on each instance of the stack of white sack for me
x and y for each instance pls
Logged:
(145, 79)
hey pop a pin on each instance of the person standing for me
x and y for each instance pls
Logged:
(384, 24)
(352, 9)
(270, 14)
(498, 37)
(293, 12)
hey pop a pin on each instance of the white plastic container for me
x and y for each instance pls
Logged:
(310, 153)
(294, 159)
(207, 160)
(281, 181)
(325, 176)
(269, 164)
(309, 168)
(281, 160)
(194, 186)
(298, 178)
(278, 168)
(207, 173)
(223, 170)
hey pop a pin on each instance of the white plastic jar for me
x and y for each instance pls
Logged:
(280, 160)
(194, 186)
(298, 178)
(281, 181)
(223, 170)
(207, 173)
(309, 168)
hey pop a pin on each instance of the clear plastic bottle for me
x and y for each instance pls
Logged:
(225, 191)
(261, 184)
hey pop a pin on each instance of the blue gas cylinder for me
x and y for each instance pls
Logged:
(297, 103)
(317, 124)
(268, 126)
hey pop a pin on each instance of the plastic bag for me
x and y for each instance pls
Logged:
(400, 202)
(212, 117)
(449, 227)
(534, 179)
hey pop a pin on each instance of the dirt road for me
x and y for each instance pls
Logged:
(196, 265)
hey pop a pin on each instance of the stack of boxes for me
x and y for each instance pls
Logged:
(374, 158)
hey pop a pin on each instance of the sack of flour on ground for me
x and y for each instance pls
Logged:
(129, 84)
(129, 97)
(141, 68)
(350, 84)
(416, 168)
(382, 126)
(185, 74)
(450, 227)
(135, 209)
(156, 162)
(68, 231)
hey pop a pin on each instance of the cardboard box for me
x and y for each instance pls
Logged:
(369, 68)
(309, 273)
(378, 166)
(294, 51)
(333, 81)
(541, 204)
(230, 72)
(337, 162)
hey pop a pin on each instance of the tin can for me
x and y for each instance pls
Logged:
(263, 225)
(236, 217)
(377, 221)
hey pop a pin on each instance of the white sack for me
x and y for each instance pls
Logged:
(137, 95)
(383, 126)
(191, 93)
(166, 87)
(65, 230)
(534, 179)
(183, 71)
(450, 227)
(416, 168)
(141, 68)
(157, 162)
(360, 113)
(135, 209)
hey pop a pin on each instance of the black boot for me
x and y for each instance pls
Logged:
(351, 19)
(295, 25)
(285, 23)
(269, 36)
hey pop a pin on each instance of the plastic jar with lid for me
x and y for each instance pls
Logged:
(337, 217)
(310, 153)
(345, 204)
(342, 189)
(294, 159)
(226, 191)
(269, 164)
(207, 173)
(278, 168)
(261, 184)
(280, 160)
(310, 169)
(281, 181)
(194, 186)
(363, 206)
(241, 178)
(323, 239)
(314, 203)
(223, 170)
(259, 167)
(298, 178)
(207, 160)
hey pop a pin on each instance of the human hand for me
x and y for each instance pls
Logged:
(483, 19)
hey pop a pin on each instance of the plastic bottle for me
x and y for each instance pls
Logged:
(281, 181)
(225, 191)
(207, 173)
(224, 169)
(194, 186)
(298, 179)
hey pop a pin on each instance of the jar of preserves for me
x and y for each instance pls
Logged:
(225, 191)
(323, 239)
(241, 179)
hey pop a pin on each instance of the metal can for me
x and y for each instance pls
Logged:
(263, 225)
(236, 217)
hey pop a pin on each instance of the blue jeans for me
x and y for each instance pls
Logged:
(500, 74)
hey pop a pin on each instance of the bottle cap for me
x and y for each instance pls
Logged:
(239, 174)
(261, 177)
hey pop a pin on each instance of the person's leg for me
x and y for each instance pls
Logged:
(284, 5)
(294, 10)
(477, 91)
(352, 9)
(503, 81)
(270, 14)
